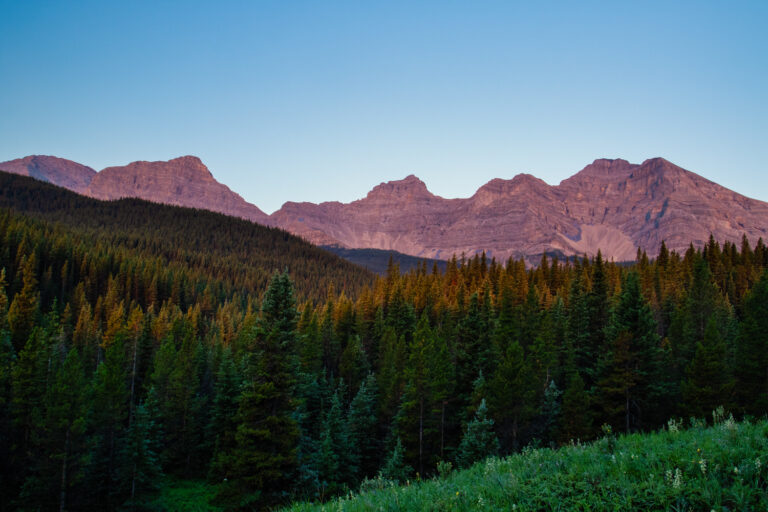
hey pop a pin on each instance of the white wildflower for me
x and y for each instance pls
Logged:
(678, 481)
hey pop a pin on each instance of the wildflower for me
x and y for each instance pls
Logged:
(703, 466)
(678, 481)
(758, 463)
(735, 470)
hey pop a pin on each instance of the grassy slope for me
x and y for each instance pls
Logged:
(717, 468)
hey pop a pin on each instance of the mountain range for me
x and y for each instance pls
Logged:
(611, 205)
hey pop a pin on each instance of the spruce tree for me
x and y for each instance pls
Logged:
(632, 382)
(708, 384)
(362, 428)
(263, 461)
(140, 470)
(23, 312)
(751, 361)
(479, 441)
(394, 467)
(108, 418)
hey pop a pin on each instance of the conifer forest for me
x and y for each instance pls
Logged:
(142, 344)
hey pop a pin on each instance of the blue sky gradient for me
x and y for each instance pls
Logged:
(314, 101)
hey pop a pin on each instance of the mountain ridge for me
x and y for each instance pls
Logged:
(610, 204)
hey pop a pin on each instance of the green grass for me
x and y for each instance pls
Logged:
(184, 496)
(717, 468)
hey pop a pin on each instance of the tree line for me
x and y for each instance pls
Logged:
(120, 364)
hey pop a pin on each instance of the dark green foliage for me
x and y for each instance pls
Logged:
(23, 311)
(140, 471)
(395, 468)
(479, 441)
(632, 381)
(180, 360)
(362, 425)
(752, 352)
(223, 426)
(263, 461)
(709, 383)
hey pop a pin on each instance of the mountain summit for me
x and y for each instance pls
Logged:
(612, 205)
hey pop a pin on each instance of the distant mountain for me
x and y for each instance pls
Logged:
(183, 181)
(58, 171)
(611, 205)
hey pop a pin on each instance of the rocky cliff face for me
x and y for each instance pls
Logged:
(610, 205)
(183, 181)
(58, 171)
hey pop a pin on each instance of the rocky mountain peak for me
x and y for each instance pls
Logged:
(408, 189)
(52, 169)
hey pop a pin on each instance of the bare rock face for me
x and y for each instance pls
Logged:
(58, 171)
(611, 205)
(183, 181)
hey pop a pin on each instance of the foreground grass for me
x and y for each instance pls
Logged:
(717, 468)
(184, 496)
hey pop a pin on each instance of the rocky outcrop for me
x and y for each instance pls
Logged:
(183, 181)
(58, 171)
(611, 205)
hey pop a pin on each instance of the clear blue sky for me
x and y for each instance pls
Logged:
(313, 101)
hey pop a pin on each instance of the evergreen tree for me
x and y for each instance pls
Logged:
(264, 458)
(510, 395)
(336, 465)
(708, 384)
(752, 352)
(58, 438)
(362, 427)
(479, 441)
(108, 417)
(576, 418)
(140, 471)
(632, 383)
(394, 467)
(24, 307)
(222, 426)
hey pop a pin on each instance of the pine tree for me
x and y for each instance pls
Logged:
(108, 417)
(362, 428)
(576, 418)
(479, 441)
(394, 467)
(510, 394)
(632, 383)
(708, 384)
(58, 439)
(264, 458)
(140, 470)
(336, 469)
(22, 314)
(7, 359)
(354, 364)
(222, 426)
(752, 351)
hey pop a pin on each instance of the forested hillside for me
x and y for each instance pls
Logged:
(208, 248)
(140, 340)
